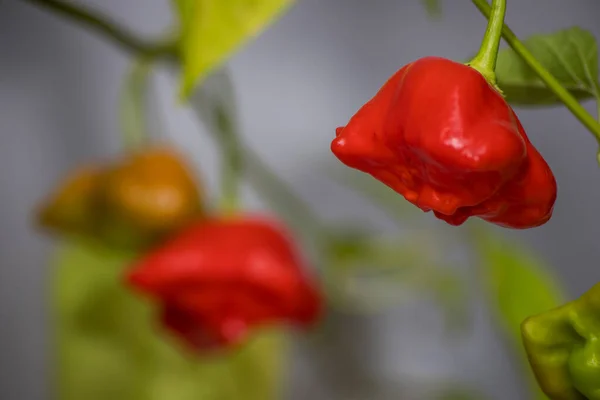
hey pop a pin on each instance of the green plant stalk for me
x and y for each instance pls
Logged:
(232, 164)
(551, 82)
(485, 60)
(102, 25)
(271, 186)
(133, 102)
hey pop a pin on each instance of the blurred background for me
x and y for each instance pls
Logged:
(306, 75)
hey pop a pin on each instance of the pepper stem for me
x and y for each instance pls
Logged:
(232, 163)
(485, 60)
(133, 104)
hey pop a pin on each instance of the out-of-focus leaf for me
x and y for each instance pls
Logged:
(570, 55)
(110, 345)
(450, 291)
(365, 274)
(433, 7)
(211, 30)
(518, 285)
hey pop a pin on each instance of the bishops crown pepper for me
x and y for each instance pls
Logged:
(70, 208)
(135, 200)
(220, 278)
(443, 137)
(152, 192)
(563, 347)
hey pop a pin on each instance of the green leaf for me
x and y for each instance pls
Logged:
(211, 30)
(433, 7)
(366, 274)
(110, 345)
(571, 55)
(518, 284)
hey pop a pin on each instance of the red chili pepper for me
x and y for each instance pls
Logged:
(440, 135)
(219, 278)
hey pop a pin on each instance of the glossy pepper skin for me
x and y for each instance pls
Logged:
(130, 202)
(564, 350)
(218, 279)
(440, 135)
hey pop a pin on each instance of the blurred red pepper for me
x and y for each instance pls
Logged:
(221, 277)
(440, 135)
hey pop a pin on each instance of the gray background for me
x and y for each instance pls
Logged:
(306, 75)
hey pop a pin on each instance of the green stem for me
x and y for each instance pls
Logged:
(551, 82)
(241, 160)
(276, 191)
(232, 163)
(485, 60)
(133, 104)
(101, 24)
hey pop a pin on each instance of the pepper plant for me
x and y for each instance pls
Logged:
(164, 292)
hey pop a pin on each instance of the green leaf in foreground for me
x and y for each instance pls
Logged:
(109, 345)
(517, 284)
(570, 55)
(211, 30)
